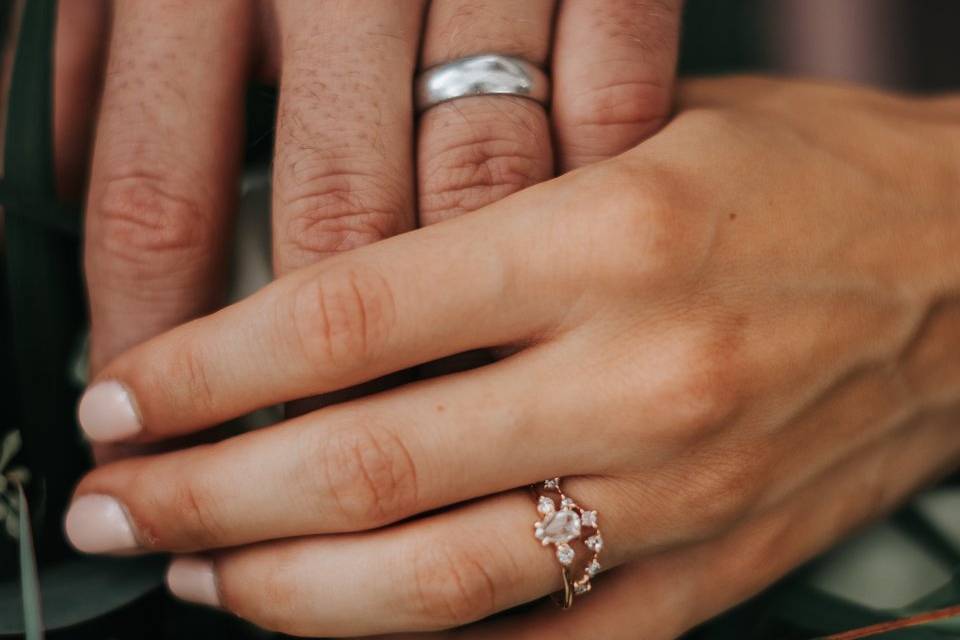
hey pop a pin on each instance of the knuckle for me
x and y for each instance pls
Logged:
(702, 494)
(724, 489)
(187, 365)
(335, 211)
(342, 319)
(143, 224)
(452, 585)
(364, 472)
(704, 387)
(472, 166)
(270, 605)
(192, 371)
(636, 103)
(193, 508)
(640, 232)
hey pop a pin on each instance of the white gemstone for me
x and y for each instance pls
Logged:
(566, 503)
(593, 568)
(594, 543)
(589, 519)
(553, 483)
(565, 554)
(545, 505)
(581, 588)
(559, 527)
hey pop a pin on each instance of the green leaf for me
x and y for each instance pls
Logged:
(45, 308)
(9, 448)
(29, 581)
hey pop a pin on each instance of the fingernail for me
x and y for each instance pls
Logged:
(192, 578)
(106, 413)
(99, 524)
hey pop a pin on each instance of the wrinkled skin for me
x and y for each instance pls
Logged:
(156, 88)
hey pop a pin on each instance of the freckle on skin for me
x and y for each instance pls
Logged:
(733, 216)
(441, 408)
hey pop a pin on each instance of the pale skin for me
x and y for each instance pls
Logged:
(737, 341)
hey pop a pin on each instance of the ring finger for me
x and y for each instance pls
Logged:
(462, 565)
(472, 151)
(685, 586)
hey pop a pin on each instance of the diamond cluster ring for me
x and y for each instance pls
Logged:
(561, 525)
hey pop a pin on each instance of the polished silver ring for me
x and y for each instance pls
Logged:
(481, 75)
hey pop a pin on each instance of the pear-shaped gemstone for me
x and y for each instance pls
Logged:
(559, 527)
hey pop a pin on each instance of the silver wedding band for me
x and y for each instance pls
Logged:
(481, 75)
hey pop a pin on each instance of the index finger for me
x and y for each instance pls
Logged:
(382, 308)
(164, 168)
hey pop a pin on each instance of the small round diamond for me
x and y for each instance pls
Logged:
(566, 503)
(594, 543)
(545, 505)
(593, 568)
(581, 588)
(565, 554)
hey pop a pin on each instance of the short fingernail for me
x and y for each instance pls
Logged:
(99, 524)
(192, 578)
(107, 413)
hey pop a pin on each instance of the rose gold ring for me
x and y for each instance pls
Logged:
(561, 525)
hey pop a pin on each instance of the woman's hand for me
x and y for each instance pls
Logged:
(738, 341)
(347, 171)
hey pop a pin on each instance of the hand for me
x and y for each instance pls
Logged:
(737, 341)
(168, 142)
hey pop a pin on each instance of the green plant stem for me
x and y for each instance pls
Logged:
(29, 580)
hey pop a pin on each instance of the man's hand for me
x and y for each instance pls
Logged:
(352, 164)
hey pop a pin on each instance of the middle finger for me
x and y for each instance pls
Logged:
(342, 175)
(346, 468)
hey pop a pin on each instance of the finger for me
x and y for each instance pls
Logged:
(354, 318)
(79, 49)
(347, 468)
(388, 457)
(683, 587)
(164, 169)
(450, 579)
(342, 171)
(613, 70)
(473, 151)
(463, 565)
(342, 174)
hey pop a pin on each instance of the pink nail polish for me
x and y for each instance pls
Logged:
(192, 578)
(107, 413)
(99, 524)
